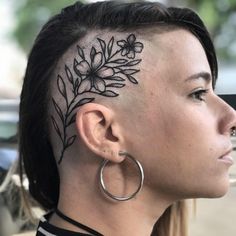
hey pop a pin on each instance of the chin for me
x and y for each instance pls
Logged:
(214, 189)
(217, 190)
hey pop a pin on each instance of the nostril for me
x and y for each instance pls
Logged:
(233, 131)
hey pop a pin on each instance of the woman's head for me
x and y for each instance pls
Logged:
(109, 76)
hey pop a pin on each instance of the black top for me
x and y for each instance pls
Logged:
(46, 229)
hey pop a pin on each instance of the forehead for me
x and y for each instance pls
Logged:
(177, 54)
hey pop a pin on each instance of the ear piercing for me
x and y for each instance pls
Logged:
(233, 131)
(140, 185)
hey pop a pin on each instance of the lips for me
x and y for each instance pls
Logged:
(227, 158)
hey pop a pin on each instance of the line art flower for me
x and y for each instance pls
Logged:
(94, 74)
(101, 72)
(129, 47)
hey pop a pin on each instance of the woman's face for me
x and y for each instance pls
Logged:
(182, 129)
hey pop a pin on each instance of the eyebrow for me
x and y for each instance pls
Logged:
(204, 75)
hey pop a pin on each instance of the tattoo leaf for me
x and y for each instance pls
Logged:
(133, 63)
(116, 85)
(72, 120)
(69, 74)
(80, 52)
(77, 81)
(84, 101)
(92, 53)
(61, 86)
(70, 141)
(110, 45)
(109, 93)
(119, 61)
(56, 127)
(132, 79)
(58, 110)
(75, 67)
(103, 45)
(81, 102)
(116, 78)
(130, 71)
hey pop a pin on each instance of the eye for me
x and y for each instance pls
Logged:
(199, 94)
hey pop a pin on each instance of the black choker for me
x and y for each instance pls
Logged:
(77, 224)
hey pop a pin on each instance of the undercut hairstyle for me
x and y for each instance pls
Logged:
(62, 31)
(98, 70)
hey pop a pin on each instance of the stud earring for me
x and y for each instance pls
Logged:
(233, 131)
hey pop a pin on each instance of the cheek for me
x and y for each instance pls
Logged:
(180, 146)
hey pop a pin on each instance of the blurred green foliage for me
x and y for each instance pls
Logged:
(31, 15)
(220, 18)
(218, 15)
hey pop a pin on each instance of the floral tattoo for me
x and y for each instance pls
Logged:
(97, 73)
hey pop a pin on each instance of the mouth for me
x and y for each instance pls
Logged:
(227, 158)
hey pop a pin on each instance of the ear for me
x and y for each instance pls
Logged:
(99, 131)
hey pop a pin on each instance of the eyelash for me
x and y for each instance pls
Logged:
(199, 94)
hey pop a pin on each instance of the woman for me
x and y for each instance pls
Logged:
(119, 121)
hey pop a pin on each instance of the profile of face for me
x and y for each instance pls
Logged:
(179, 128)
(168, 117)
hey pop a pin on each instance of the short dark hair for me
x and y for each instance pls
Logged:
(56, 36)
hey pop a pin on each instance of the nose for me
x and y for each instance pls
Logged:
(228, 119)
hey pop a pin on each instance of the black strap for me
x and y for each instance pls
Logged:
(76, 223)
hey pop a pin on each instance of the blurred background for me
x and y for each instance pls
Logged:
(20, 21)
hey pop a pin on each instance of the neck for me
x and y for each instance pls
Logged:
(90, 207)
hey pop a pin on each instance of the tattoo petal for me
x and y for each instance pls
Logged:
(97, 60)
(85, 85)
(124, 51)
(105, 72)
(83, 67)
(138, 47)
(99, 84)
(121, 43)
(131, 54)
(131, 39)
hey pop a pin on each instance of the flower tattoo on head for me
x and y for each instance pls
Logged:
(105, 69)
(94, 73)
(129, 47)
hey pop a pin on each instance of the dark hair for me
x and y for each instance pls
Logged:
(57, 35)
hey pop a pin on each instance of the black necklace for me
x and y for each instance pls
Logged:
(76, 223)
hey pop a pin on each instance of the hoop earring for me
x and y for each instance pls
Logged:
(119, 198)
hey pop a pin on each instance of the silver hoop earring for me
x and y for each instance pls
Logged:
(120, 198)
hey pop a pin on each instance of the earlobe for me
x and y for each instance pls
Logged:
(96, 128)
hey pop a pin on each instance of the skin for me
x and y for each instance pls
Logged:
(185, 135)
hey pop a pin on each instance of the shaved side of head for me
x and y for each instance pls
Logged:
(95, 69)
